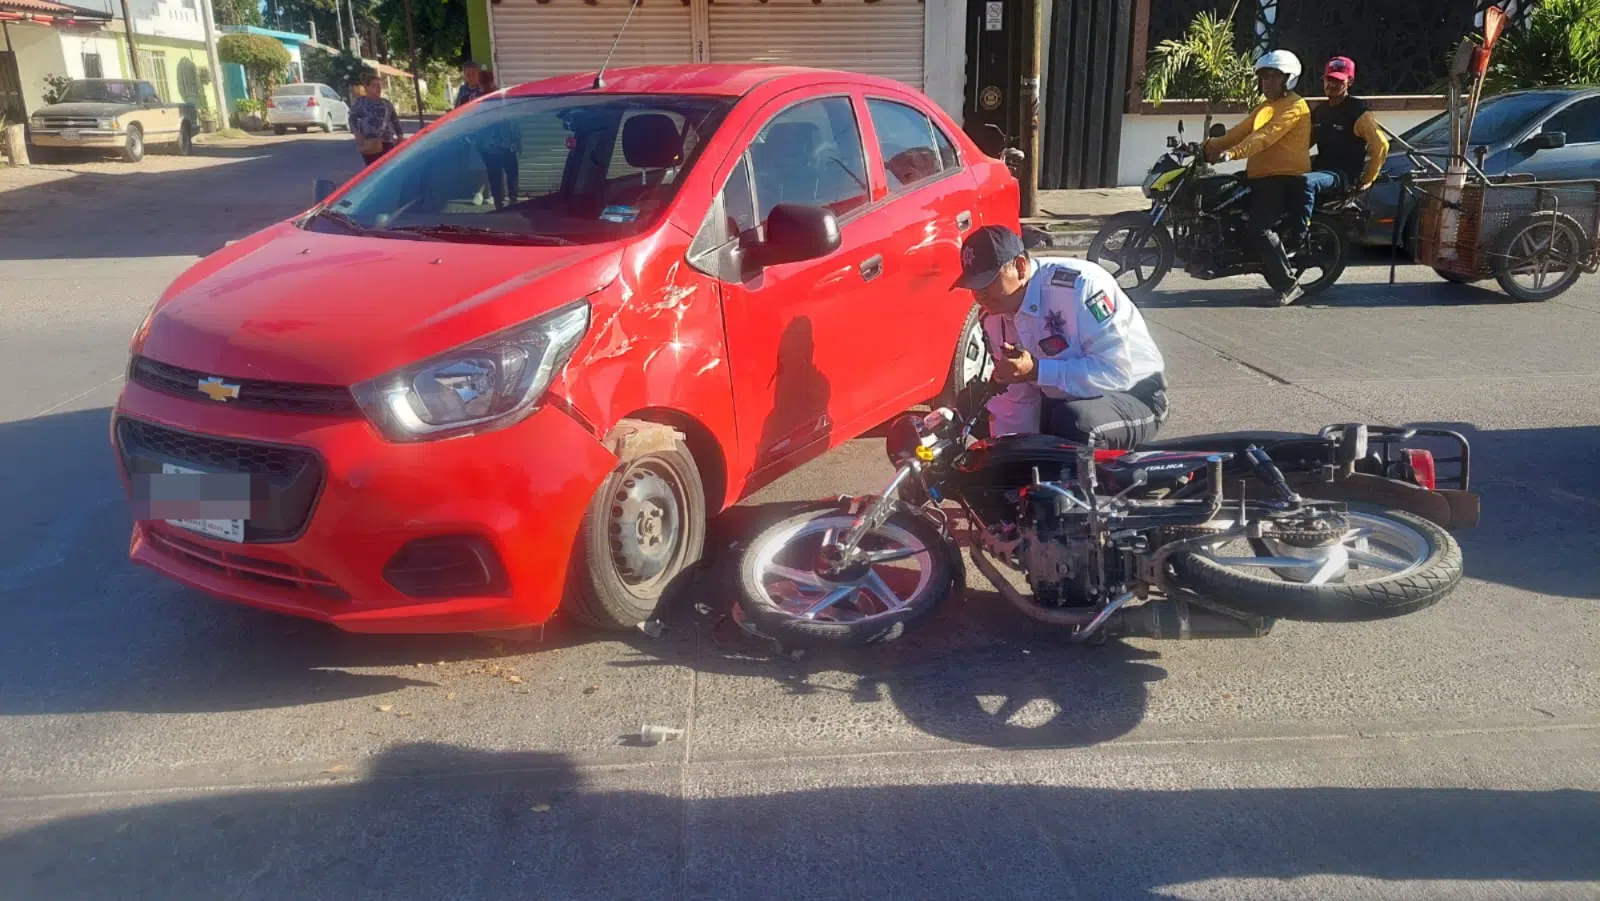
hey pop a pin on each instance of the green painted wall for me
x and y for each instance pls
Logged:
(478, 30)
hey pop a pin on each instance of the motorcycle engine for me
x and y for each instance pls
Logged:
(1056, 551)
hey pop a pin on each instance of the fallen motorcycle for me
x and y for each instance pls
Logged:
(1168, 542)
(1199, 218)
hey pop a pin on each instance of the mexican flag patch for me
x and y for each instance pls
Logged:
(1100, 306)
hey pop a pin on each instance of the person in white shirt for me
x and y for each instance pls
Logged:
(1071, 345)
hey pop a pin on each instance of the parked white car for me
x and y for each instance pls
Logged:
(306, 106)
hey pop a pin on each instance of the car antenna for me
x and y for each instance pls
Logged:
(599, 80)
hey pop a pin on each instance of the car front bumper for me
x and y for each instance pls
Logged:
(79, 137)
(345, 547)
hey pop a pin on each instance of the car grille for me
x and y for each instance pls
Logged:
(254, 394)
(70, 122)
(290, 478)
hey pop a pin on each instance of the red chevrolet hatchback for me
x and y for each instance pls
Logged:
(422, 407)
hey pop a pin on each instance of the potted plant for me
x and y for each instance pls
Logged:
(1202, 65)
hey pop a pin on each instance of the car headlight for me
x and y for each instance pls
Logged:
(108, 123)
(490, 383)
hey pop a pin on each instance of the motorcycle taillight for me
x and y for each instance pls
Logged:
(1423, 471)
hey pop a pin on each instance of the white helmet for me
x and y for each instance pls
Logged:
(1284, 62)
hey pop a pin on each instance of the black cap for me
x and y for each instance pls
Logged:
(984, 253)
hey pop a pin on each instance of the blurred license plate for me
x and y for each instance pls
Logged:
(69, 134)
(226, 529)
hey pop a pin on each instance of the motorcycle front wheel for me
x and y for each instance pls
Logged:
(909, 574)
(1136, 253)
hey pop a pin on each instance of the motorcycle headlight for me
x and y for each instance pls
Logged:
(490, 383)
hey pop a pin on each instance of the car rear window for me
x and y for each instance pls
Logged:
(575, 168)
(295, 90)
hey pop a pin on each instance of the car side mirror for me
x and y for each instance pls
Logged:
(1546, 140)
(323, 188)
(1219, 130)
(796, 232)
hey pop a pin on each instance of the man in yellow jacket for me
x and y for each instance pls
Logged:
(1275, 142)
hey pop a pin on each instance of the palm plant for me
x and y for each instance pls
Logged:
(1557, 44)
(1202, 65)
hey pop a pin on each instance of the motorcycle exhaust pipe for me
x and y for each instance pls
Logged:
(1177, 620)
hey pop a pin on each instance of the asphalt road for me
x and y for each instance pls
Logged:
(157, 744)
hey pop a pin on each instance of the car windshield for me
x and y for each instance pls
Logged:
(100, 92)
(1499, 119)
(549, 169)
(295, 90)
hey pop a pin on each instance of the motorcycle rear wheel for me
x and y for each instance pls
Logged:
(1328, 253)
(1423, 565)
(874, 607)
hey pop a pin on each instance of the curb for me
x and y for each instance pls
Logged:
(1034, 237)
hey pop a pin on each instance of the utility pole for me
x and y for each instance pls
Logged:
(217, 92)
(338, 16)
(133, 49)
(1029, 139)
(416, 82)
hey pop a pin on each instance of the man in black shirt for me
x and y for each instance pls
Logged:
(1350, 146)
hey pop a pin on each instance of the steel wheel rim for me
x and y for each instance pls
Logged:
(819, 600)
(1358, 551)
(975, 359)
(1537, 258)
(645, 525)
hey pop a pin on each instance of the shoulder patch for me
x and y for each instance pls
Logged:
(1053, 344)
(1100, 306)
(1064, 277)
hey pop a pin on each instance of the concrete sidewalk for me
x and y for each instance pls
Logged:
(1069, 219)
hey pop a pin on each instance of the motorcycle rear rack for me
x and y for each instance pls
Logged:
(1356, 439)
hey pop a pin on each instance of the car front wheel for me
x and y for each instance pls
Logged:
(644, 530)
(133, 148)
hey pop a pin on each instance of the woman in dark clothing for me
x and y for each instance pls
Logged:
(498, 146)
(374, 122)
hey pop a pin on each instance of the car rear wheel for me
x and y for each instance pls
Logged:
(280, 129)
(644, 530)
(133, 148)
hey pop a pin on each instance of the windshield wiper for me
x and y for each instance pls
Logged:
(343, 219)
(475, 231)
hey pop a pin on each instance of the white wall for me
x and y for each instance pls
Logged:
(38, 49)
(1144, 138)
(168, 19)
(944, 54)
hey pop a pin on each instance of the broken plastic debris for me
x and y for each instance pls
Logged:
(651, 627)
(655, 735)
(703, 609)
(385, 708)
(541, 808)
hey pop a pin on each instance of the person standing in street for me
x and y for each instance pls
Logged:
(498, 144)
(374, 122)
(469, 90)
(1275, 140)
(1351, 148)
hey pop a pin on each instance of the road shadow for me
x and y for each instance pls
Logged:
(1340, 296)
(96, 214)
(429, 821)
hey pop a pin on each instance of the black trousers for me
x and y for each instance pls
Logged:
(1277, 199)
(1119, 420)
(502, 171)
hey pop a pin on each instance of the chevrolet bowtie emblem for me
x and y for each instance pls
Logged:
(218, 390)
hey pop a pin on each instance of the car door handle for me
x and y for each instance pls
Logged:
(963, 220)
(872, 267)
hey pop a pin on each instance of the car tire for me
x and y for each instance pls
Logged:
(185, 144)
(133, 147)
(327, 124)
(971, 361)
(280, 129)
(644, 530)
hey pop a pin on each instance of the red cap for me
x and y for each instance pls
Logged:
(1342, 68)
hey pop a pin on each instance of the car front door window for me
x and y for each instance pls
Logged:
(810, 154)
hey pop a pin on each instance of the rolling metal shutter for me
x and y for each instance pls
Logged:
(535, 40)
(880, 38)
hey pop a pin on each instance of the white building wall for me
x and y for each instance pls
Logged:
(179, 19)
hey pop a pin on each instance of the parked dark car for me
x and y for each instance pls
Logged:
(1549, 133)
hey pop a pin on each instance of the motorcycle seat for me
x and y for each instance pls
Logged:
(1227, 442)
